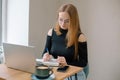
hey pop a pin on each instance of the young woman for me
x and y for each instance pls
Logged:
(66, 42)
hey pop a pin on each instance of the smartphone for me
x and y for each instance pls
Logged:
(62, 69)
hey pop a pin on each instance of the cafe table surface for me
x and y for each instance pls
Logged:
(13, 74)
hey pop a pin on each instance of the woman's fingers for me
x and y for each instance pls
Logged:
(62, 60)
(46, 57)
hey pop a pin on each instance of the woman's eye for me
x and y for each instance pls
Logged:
(66, 21)
(61, 19)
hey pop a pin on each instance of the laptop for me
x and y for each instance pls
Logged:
(20, 57)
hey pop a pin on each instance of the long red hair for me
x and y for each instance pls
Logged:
(73, 29)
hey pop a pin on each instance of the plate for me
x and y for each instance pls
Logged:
(51, 77)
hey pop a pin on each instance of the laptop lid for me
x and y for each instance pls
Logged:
(19, 57)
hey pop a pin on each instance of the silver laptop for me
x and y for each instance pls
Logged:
(20, 57)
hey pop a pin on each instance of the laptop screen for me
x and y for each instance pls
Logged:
(20, 57)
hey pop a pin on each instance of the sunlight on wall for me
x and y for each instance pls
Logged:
(17, 21)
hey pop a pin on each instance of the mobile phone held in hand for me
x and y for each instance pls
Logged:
(62, 69)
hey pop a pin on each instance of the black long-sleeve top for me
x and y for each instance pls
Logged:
(56, 44)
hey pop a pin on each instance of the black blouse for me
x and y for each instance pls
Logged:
(57, 47)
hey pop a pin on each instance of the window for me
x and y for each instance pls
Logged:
(0, 22)
(15, 21)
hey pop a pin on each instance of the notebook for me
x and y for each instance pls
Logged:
(20, 57)
(52, 62)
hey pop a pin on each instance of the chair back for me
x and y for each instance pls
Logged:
(86, 70)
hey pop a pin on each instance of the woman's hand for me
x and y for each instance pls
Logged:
(62, 61)
(47, 57)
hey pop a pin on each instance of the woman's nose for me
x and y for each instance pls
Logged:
(63, 23)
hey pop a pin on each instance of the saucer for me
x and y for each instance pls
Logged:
(51, 77)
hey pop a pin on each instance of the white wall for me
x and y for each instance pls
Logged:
(17, 21)
(103, 23)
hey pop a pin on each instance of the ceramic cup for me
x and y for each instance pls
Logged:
(43, 72)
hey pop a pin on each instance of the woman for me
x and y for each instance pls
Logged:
(66, 42)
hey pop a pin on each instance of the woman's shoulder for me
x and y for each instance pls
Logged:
(82, 38)
(50, 32)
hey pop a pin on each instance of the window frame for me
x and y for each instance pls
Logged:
(0, 22)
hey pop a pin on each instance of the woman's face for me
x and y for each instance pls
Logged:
(64, 20)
